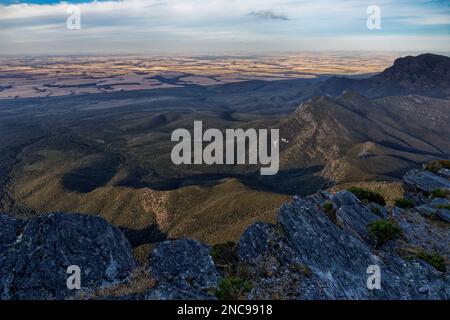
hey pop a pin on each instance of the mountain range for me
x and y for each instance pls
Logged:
(109, 153)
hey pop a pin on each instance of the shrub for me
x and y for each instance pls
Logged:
(376, 211)
(444, 206)
(232, 288)
(439, 193)
(404, 203)
(435, 166)
(434, 259)
(384, 230)
(367, 196)
(302, 269)
(330, 212)
(225, 256)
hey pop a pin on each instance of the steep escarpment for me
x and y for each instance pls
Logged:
(354, 138)
(323, 246)
(425, 75)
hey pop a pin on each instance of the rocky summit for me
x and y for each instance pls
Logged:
(323, 246)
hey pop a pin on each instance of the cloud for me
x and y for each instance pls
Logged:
(268, 15)
(219, 24)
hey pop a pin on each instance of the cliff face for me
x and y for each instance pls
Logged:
(320, 248)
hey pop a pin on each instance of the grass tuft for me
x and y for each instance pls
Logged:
(367, 196)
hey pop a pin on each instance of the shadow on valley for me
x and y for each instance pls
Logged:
(89, 178)
(293, 181)
(147, 235)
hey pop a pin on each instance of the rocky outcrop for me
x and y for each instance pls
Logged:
(35, 255)
(336, 255)
(319, 248)
(184, 269)
(425, 181)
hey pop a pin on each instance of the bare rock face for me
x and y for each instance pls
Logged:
(184, 269)
(425, 181)
(307, 255)
(314, 251)
(35, 254)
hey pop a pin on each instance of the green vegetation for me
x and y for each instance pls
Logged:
(434, 259)
(376, 211)
(404, 203)
(444, 206)
(439, 193)
(302, 269)
(367, 196)
(232, 288)
(384, 230)
(330, 212)
(225, 256)
(435, 166)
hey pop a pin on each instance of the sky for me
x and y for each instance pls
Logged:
(223, 26)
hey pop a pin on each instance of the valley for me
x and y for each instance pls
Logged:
(108, 153)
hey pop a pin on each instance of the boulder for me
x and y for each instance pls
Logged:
(182, 266)
(444, 173)
(36, 253)
(425, 181)
(343, 198)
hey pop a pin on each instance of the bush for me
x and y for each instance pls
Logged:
(384, 230)
(404, 203)
(330, 212)
(232, 288)
(376, 211)
(435, 166)
(439, 193)
(434, 259)
(367, 196)
(225, 256)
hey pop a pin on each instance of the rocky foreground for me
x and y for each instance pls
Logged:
(320, 248)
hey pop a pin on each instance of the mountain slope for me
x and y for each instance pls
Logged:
(355, 138)
(426, 75)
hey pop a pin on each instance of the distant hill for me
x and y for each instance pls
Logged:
(426, 75)
(356, 138)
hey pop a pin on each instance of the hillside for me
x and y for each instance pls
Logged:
(355, 138)
(320, 248)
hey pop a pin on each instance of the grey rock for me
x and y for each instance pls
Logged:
(381, 211)
(184, 262)
(261, 240)
(36, 253)
(177, 291)
(355, 218)
(436, 202)
(397, 212)
(423, 289)
(339, 259)
(417, 180)
(444, 215)
(444, 173)
(421, 232)
(344, 197)
(256, 241)
(426, 210)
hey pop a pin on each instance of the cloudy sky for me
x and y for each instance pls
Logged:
(223, 26)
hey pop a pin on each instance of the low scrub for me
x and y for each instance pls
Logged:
(384, 230)
(330, 211)
(439, 193)
(435, 166)
(225, 256)
(367, 196)
(434, 259)
(232, 288)
(404, 203)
